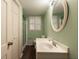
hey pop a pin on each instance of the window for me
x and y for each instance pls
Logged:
(35, 23)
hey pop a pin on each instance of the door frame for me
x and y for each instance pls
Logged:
(2, 50)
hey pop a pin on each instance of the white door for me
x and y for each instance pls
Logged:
(3, 30)
(9, 30)
(15, 30)
(6, 45)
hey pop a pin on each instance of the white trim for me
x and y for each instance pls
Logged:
(29, 44)
(23, 47)
(64, 3)
(21, 55)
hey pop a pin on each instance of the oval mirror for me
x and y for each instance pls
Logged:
(59, 15)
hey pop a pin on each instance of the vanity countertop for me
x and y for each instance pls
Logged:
(43, 45)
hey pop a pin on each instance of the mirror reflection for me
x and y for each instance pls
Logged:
(59, 15)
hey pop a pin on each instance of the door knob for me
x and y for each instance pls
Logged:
(10, 43)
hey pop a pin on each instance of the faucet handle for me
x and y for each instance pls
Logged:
(49, 39)
(54, 43)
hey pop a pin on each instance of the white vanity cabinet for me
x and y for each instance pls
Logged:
(48, 55)
(46, 50)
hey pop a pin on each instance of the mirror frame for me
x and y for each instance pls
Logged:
(65, 6)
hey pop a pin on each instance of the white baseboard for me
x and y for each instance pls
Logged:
(23, 47)
(22, 51)
(21, 55)
(29, 44)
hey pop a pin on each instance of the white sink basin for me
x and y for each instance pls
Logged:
(46, 50)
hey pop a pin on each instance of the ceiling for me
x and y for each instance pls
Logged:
(34, 7)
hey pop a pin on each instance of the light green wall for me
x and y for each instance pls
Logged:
(35, 34)
(24, 30)
(31, 35)
(68, 35)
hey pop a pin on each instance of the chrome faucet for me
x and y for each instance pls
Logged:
(53, 42)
